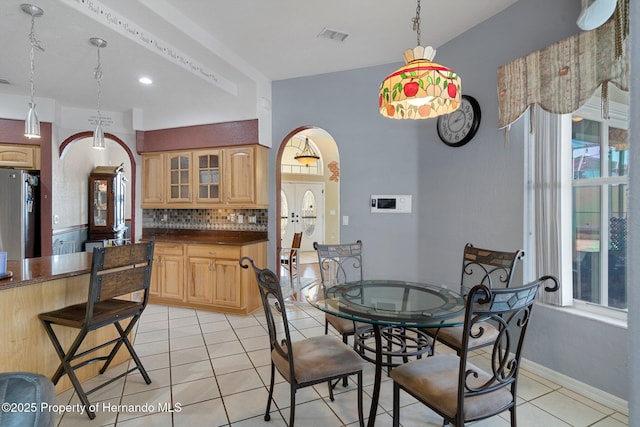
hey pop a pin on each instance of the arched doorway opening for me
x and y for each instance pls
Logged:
(116, 152)
(307, 197)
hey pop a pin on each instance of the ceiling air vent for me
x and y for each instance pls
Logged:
(4, 82)
(328, 33)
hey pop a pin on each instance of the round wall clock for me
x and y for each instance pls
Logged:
(458, 128)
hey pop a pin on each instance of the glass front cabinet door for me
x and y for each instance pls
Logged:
(106, 203)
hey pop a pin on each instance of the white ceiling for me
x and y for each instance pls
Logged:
(243, 44)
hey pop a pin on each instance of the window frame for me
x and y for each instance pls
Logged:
(592, 110)
(618, 118)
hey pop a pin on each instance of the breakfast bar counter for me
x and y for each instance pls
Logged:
(30, 271)
(40, 285)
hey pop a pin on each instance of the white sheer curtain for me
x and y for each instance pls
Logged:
(550, 186)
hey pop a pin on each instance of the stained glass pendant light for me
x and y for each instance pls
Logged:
(421, 89)
(32, 123)
(98, 134)
(307, 156)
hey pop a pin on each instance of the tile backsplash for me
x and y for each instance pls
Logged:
(206, 219)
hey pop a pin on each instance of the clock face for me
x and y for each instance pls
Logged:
(458, 128)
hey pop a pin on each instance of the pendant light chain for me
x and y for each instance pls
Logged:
(98, 134)
(97, 74)
(32, 56)
(416, 23)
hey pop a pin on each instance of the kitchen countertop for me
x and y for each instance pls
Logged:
(37, 270)
(209, 237)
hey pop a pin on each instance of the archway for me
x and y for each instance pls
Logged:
(65, 145)
(324, 175)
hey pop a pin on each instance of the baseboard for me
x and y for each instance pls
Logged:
(597, 395)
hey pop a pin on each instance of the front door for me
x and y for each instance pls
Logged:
(302, 205)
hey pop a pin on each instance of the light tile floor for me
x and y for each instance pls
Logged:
(213, 370)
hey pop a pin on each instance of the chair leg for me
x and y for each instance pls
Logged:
(292, 414)
(345, 379)
(514, 422)
(267, 415)
(65, 364)
(124, 339)
(331, 389)
(396, 404)
(360, 411)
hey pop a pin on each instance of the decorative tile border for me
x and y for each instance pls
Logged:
(206, 219)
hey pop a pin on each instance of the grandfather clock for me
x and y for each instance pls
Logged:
(106, 203)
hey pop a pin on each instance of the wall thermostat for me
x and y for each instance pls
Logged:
(391, 203)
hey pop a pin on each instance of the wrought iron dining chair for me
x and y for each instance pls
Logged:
(306, 362)
(289, 257)
(455, 388)
(488, 267)
(339, 263)
(116, 272)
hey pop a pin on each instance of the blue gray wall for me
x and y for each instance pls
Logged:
(468, 194)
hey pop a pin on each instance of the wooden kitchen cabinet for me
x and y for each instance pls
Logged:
(167, 273)
(178, 179)
(206, 277)
(239, 175)
(20, 156)
(153, 176)
(226, 291)
(213, 275)
(226, 177)
(208, 176)
(245, 179)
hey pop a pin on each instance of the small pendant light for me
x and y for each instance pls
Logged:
(32, 124)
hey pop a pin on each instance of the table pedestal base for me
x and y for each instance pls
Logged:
(398, 344)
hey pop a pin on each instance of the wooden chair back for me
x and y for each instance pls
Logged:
(295, 246)
(120, 270)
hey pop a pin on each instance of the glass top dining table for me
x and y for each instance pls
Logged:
(388, 303)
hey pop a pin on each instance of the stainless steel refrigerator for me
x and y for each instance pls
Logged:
(19, 213)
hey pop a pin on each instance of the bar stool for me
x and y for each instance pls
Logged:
(116, 271)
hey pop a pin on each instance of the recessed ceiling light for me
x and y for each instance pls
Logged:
(145, 80)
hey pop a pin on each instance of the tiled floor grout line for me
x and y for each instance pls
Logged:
(303, 322)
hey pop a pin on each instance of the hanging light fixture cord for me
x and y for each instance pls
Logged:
(32, 57)
(97, 74)
(416, 23)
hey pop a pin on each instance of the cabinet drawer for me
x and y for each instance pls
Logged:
(214, 251)
(169, 249)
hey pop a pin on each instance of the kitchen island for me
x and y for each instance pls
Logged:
(40, 285)
(199, 268)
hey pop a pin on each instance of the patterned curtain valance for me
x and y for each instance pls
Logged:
(563, 76)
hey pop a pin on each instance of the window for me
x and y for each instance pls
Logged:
(599, 207)
(284, 212)
(577, 206)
